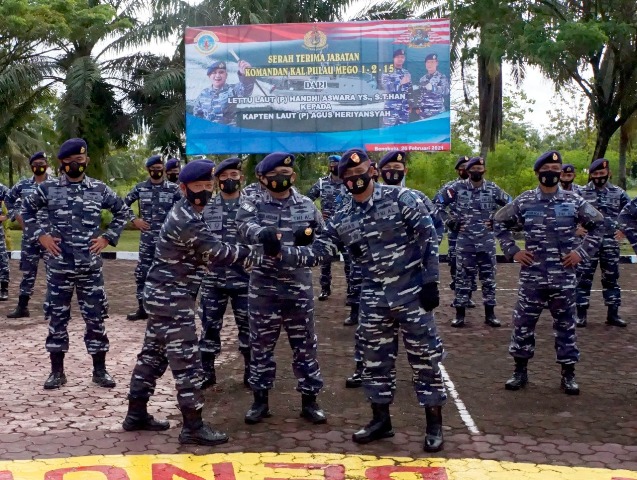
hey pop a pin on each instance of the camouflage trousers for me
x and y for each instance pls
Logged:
(451, 259)
(91, 297)
(468, 265)
(170, 341)
(608, 259)
(212, 307)
(354, 280)
(379, 328)
(531, 301)
(296, 316)
(4, 257)
(146, 255)
(326, 272)
(29, 262)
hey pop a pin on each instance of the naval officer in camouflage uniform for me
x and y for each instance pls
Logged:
(31, 250)
(214, 102)
(452, 235)
(280, 295)
(328, 189)
(173, 167)
(4, 255)
(433, 89)
(471, 204)
(549, 217)
(155, 198)
(397, 86)
(567, 178)
(224, 283)
(610, 200)
(184, 250)
(390, 233)
(70, 233)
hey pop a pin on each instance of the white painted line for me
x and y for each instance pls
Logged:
(462, 409)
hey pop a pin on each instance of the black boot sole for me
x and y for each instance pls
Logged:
(515, 388)
(315, 421)
(104, 385)
(251, 421)
(615, 324)
(22, 315)
(429, 449)
(458, 324)
(55, 387)
(492, 324)
(353, 384)
(139, 427)
(186, 440)
(366, 440)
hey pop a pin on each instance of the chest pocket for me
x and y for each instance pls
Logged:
(268, 219)
(611, 200)
(165, 198)
(533, 219)
(302, 213)
(464, 198)
(27, 192)
(350, 232)
(58, 198)
(146, 199)
(565, 214)
(92, 206)
(215, 220)
(486, 201)
(385, 217)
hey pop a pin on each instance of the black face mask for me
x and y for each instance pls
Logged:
(600, 181)
(155, 174)
(229, 185)
(172, 177)
(463, 174)
(393, 177)
(199, 199)
(38, 170)
(357, 183)
(334, 171)
(566, 185)
(476, 176)
(74, 169)
(549, 179)
(278, 183)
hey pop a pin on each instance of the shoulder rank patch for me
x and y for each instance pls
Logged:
(409, 199)
(248, 207)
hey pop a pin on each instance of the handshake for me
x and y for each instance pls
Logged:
(271, 240)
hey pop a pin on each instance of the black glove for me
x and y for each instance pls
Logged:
(453, 225)
(356, 250)
(269, 240)
(429, 296)
(304, 236)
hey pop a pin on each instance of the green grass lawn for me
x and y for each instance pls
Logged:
(129, 242)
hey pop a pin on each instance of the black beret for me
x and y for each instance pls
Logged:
(598, 164)
(474, 161)
(37, 156)
(73, 146)
(196, 171)
(568, 168)
(215, 66)
(232, 163)
(154, 160)
(460, 161)
(431, 56)
(172, 163)
(393, 156)
(274, 160)
(351, 158)
(398, 51)
(334, 158)
(552, 156)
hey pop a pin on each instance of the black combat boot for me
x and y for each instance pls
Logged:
(195, 431)
(246, 367)
(520, 376)
(433, 434)
(379, 427)
(22, 310)
(613, 317)
(56, 378)
(325, 293)
(581, 319)
(471, 304)
(259, 409)
(4, 291)
(138, 417)
(568, 383)
(356, 380)
(100, 375)
(352, 319)
(458, 322)
(139, 314)
(489, 316)
(310, 410)
(208, 364)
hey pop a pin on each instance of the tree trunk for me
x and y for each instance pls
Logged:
(601, 144)
(624, 138)
(10, 170)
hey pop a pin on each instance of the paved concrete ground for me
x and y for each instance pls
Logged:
(539, 425)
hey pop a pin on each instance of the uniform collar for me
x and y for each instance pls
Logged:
(294, 197)
(86, 181)
(559, 194)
